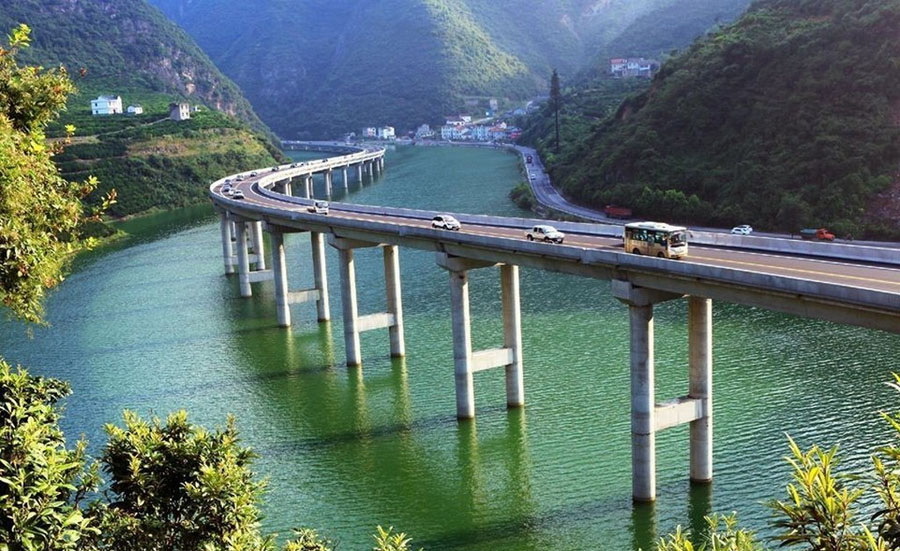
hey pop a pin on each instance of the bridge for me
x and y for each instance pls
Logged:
(841, 283)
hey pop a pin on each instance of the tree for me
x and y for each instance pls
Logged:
(179, 487)
(42, 484)
(555, 102)
(40, 212)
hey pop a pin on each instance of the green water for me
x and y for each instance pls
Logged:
(154, 326)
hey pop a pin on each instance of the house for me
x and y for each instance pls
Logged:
(480, 133)
(369, 132)
(134, 110)
(621, 67)
(453, 132)
(106, 105)
(386, 133)
(179, 111)
(424, 132)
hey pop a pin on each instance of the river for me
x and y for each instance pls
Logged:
(153, 325)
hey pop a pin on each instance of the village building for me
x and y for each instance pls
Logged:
(106, 105)
(179, 111)
(134, 110)
(424, 132)
(624, 67)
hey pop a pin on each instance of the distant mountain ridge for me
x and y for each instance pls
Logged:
(789, 117)
(110, 46)
(317, 68)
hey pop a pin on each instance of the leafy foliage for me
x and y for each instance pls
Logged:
(42, 483)
(40, 212)
(722, 535)
(388, 540)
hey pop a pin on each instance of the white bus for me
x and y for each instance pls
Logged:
(656, 239)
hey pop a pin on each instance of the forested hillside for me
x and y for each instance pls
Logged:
(128, 48)
(318, 68)
(787, 118)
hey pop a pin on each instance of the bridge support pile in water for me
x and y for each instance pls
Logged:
(647, 416)
(284, 297)
(465, 361)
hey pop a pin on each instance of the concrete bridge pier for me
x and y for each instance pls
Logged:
(287, 186)
(465, 361)
(308, 186)
(243, 260)
(329, 176)
(648, 416)
(359, 173)
(225, 228)
(284, 297)
(354, 324)
(258, 244)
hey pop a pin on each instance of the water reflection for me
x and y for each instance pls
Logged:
(699, 507)
(644, 526)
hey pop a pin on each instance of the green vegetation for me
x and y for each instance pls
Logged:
(522, 196)
(785, 119)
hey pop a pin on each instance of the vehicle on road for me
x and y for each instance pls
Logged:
(227, 189)
(656, 239)
(318, 207)
(614, 211)
(275, 169)
(238, 194)
(816, 234)
(445, 222)
(254, 174)
(546, 233)
(743, 229)
(239, 177)
(529, 159)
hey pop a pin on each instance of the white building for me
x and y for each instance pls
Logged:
(424, 131)
(134, 110)
(480, 133)
(369, 132)
(386, 133)
(179, 111)
(106, 105)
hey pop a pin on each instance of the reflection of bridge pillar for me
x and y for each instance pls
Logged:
(646, 415)
(225, 227)
(258, 244)
(359, 173)
(466, 362)
(328, 179)
(354, 324)
(346, 182)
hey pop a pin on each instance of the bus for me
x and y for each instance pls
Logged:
(656, 239)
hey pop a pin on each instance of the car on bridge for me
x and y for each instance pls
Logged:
(546, 233)
(238, 194)
(743, 229)
(446, 222)
(318, 207)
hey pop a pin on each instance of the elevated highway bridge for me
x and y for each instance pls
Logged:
(840, 283)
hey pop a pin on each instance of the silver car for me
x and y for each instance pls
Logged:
(545, 233)
(446, 222)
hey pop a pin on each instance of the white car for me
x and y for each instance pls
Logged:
(546, 233)
(318, 207)
(238, 194)
(445, 221)
(743, 229)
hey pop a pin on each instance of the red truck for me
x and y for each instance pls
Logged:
(617, 212)
(816, 234)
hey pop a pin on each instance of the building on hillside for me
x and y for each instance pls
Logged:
(179, 111)
(106, 105)
(622, 67)
(453, 132)
(134, 110)
(424, 132)
(369, 132)
(479, 133)
(386, 133)
(493, 104)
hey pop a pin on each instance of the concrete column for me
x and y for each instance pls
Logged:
(279, 268)
(320, 274)
(381, 164)
(328, 179)
(346, 181)
(394, 301)
(643, 404)
(259, 244)
(359, 173)
(369, 169)
(288, 187)
(462, 345)
(307, 186)
(348, 302)
(700, 351)
(512, 334)
(243, 260)
(227, 247)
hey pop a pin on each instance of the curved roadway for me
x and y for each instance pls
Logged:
(853, 278)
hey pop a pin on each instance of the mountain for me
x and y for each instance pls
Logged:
(789, 117)
(128, 48)
(121, 46)
(318, 68)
